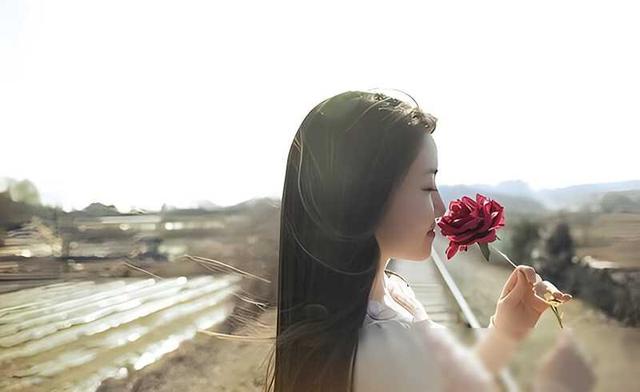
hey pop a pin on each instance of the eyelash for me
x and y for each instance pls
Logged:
(431, 190)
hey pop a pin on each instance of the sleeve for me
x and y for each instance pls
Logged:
(401, 288)
(421, 356)
(494, 348)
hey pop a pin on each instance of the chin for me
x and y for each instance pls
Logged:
(420, 257)
(427, 253)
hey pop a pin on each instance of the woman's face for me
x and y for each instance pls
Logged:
(415, 205)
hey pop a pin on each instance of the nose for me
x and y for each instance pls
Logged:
(438, 205)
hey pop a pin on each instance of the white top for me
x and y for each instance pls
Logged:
(400, 352)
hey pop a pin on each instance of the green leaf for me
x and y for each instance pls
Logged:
(485, 250)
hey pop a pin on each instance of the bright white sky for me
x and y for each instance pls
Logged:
(136, 103)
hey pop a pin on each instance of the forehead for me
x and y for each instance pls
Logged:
(427, 158)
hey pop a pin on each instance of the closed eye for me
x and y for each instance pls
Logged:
(430, 190)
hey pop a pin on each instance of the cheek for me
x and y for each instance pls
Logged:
(418, 215)
(412, 216)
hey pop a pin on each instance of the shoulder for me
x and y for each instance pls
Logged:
(399, 335)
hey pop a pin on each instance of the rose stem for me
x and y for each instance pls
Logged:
(505, 256)
(554, 308)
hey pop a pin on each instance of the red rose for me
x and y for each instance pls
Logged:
(468, 222)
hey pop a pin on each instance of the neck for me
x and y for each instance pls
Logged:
(378, 289)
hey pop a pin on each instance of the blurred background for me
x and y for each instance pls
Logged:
(144, 141)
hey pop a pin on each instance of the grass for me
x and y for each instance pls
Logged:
(613, 350)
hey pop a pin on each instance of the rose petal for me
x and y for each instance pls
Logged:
(486, 209)
(452, 249)
(490, 237)
(470, 203)
(498, 216)
(476, 237)
(470, 224)
(486, 225)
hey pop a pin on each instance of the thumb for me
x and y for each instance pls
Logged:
(518, 289)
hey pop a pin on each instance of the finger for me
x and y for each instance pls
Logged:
(550, 286)
(539, 304)
(530, 274)
(561, 295)
(511, 282)
(519, 290)
(537, 278)
(564, 297)
(543, 287)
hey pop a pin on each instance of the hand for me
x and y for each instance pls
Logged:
(521, 302)
(565, 368)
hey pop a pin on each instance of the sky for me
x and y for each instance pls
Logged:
(139, 103)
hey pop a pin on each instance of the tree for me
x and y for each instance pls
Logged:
(526, 234)
(24, 191)
(559, 246)
(616, 202)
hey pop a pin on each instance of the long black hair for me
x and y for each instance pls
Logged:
(347, 157)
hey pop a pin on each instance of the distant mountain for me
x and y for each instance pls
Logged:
(518, 196)
(616, 201)
(512, 199)
(99, 209)
(515, 188)
(208, 205)
(574, 197)
(258, 202)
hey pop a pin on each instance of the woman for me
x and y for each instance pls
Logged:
(360, 189)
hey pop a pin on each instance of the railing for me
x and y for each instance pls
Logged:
(505, 377)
